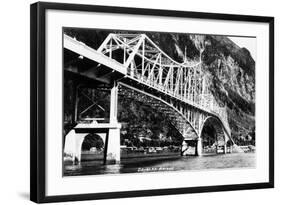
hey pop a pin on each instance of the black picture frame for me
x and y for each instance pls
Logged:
(38, 100)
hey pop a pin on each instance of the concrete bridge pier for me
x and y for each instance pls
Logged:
(225, 148)
(109, 132)
(73, 144)
(112, 146)
(112, 143)
(198, 148)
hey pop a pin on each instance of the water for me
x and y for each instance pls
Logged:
(223, 161)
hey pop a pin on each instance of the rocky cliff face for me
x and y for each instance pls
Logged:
(230, 71)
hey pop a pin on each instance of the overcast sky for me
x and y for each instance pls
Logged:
(249, 43)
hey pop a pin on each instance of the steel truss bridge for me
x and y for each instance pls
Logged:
(137, 68)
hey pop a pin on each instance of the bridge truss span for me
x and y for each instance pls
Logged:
(147, 64)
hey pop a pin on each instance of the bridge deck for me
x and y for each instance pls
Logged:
(86, 51)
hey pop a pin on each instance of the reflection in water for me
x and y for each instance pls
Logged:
(224, 161)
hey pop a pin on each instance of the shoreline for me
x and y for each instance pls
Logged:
(128, 158)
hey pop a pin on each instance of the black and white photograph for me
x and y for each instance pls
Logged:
(138, 101)
(134, 102)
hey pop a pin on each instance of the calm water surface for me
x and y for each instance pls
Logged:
(224, 161)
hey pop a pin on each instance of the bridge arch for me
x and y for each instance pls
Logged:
(161, 105)
(213, 138)
(93, 140)
(74, 143)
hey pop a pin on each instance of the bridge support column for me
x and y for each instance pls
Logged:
(112, 143)
(225, 148)
(73, 145)
(113, 103)
(198, 148)
(112, 147)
